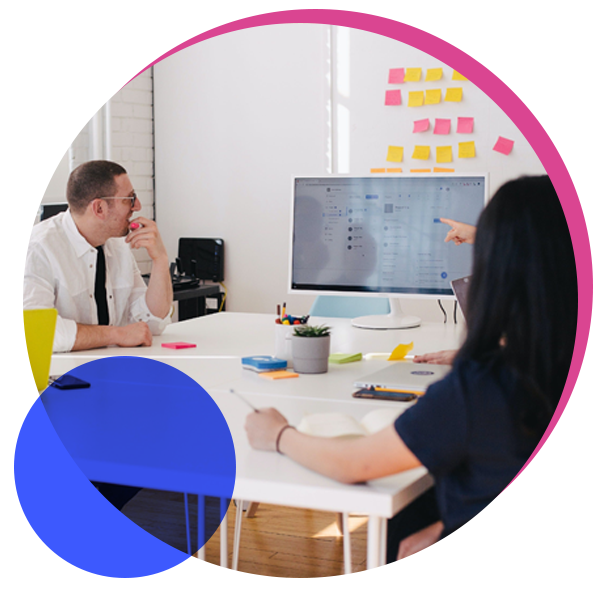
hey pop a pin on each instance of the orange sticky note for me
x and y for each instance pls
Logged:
(394, 170)
(278, 375)
(433, 75)
(453, 95)
(415, 98)
(393, 98)
(377, 170)
(466, 149)
(456, 76)
(412, 75)
(442, 170)
(421, 152)
(395, 154)
(420, 170)
(433, 96)
(443, 154)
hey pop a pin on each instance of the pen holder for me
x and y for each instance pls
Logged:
(283, 342)
(311, 354)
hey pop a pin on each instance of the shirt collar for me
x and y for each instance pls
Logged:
(79, 243)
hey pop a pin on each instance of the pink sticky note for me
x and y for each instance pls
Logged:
(442, 126)
(464, 125)
(396, 76)
(178, 345)
(421, 125)
(503, 145)
(392, 98)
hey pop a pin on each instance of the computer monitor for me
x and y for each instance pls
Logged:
(50, 210)
(382, 236)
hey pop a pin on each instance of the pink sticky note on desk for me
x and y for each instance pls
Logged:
(396, 76)
(178, 345)
(464, 125)
(503, 145)
(421, 125)
(442, 126)
(392, 98)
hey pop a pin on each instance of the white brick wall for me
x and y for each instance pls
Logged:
(132, 143)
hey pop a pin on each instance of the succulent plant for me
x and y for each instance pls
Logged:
(312, 331)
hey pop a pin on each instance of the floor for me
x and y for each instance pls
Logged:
(278, 541)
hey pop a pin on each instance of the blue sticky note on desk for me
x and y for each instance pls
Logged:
(263, 363)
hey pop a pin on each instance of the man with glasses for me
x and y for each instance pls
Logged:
(80, 262)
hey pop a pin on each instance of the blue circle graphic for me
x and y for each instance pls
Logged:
(140, 423)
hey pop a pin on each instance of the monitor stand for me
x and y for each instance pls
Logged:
(395, 319)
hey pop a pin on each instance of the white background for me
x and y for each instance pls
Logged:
(63, 60)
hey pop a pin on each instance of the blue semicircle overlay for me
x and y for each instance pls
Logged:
(140, 423)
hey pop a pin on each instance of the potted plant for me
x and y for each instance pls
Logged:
(310, 348)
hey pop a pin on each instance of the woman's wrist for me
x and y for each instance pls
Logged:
(280, 435)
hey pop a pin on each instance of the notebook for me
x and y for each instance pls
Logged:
(404, 376)
(39, 335)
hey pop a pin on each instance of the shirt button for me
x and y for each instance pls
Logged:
(91, 266)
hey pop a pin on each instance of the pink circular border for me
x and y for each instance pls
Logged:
(506, 100)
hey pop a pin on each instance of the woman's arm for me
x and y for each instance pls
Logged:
(347, 461)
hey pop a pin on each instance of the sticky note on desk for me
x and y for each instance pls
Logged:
(456, 76)
(178, 345)
(464, 125)
(443, 154)
(433, 74)
(412, 75)
(442, 127)
(278, 375)
(340, 358)
(400, 351)
(420, 126)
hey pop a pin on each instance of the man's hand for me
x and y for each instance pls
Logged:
(263, 427)
(420, 540)
(460, 232)
(136, 334)
(444, 357)
(147, 236)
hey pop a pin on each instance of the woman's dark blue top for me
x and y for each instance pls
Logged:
(465, 431)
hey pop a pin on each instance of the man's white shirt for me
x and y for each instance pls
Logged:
(60, 273)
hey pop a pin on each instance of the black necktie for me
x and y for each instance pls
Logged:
(100, 288)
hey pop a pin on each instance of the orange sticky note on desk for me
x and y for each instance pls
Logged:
(400, 351)
(278, 375)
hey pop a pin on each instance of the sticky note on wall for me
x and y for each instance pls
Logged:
(433, 75)
(415, 98)
(466, 150)
(456, 76)
(395, 154)
(442, 126)
(421, 152)
(392, 98)
(421, 126)
(503, 145)
(396, 76)
(433, 96)
(412, 75)
(453, 95)
(464, 125)
(443, 154)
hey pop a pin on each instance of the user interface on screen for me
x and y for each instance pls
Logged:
(382, 234)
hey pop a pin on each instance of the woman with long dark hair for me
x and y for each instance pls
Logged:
(475, 429)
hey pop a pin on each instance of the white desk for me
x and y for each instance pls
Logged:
(222, 339)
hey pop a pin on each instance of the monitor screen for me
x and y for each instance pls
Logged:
(382, 234)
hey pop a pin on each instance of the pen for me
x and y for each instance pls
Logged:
(283, 312)
(243, 400)
(381, 389)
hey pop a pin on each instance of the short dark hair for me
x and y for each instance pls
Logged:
(93, 179)
(522, 300)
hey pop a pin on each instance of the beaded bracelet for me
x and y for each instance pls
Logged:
(279, 436)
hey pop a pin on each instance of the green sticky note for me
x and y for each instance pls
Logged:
(340, 358)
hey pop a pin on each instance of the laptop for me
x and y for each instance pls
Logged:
(460, 287)
(405, 376)
(39, 335)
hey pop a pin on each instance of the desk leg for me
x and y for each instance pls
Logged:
(224, 552)
(201, 553)
(187, 524)
(237, 533)
(374, 542)
(346, 542)
(383, 542)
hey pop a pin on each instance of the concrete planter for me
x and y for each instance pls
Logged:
(310, 354)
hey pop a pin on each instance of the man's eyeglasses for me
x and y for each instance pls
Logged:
(132, 198)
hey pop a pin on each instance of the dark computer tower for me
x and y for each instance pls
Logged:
(209, 257)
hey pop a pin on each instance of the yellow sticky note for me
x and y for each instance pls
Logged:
(400, 351)
(395, 154)
(466, 149)
(433, 75)
(377, 170)
(421, 152)
(453, 95)
(412, 75)
(443, 154)
(433, 96)
(456, 76)
(415, 98)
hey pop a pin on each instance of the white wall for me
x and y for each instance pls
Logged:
(236, 116)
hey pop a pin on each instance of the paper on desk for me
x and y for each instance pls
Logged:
(400, 351)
